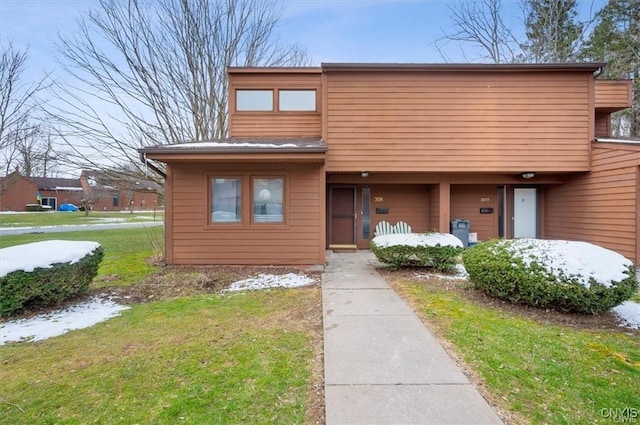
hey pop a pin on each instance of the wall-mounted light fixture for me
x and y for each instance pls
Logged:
(528, 175)
(364, 174)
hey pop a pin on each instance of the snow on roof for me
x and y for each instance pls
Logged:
(581, 260)
(417, 239)
(44, 254)
(68, 188)
(233, 145)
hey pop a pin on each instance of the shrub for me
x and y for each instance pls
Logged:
(569, 276)
(47, 282)
(437, 250)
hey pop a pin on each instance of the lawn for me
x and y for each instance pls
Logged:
(127, 251)
(541, 371)
(56, 218)
(243, 358)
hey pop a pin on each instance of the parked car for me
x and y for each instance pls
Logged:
(68, 207)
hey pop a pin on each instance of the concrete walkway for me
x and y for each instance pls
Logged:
(382, 365)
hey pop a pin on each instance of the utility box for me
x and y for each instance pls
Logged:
(460, 229)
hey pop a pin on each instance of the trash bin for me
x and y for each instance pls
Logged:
(460, 229)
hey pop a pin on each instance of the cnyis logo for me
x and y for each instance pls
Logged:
(626, 415)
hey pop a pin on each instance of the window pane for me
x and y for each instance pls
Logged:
(254, 100)
(268, 200)
(297, 100)
(225, 200)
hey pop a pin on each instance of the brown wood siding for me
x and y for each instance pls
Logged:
(603, 124)
(408, 203)
(434, 208)
(466, 122)
(195, 242)
(466, 201)
(599, 207)
(613, 94)
(275, 123)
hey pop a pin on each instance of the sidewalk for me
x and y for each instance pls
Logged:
(382, 365)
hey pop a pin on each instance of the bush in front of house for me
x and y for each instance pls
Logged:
(567, 276)
(437, 250)
(33, 280)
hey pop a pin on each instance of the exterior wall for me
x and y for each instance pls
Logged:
(63, 196)
(434, 208)
(275, 123)
(466, 201)
(613, 95)
(193, 240)
(459, 122)
(603, 124)
(600, 207)
(16, 192)
(127, 200)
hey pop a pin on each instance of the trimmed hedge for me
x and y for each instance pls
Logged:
(437, 250)
(495, 268)
(47, 286)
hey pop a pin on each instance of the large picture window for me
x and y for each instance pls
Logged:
(268, 199)
(226, 200)
(254, 100)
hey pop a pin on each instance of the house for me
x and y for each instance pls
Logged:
(17, 191)
(110, 192)
(316, 157)
(103, 192)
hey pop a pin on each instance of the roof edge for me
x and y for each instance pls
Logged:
(274, 70)
(540, 67)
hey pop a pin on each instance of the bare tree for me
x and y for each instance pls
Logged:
(480, 23)
(155, 73)
(31, 149)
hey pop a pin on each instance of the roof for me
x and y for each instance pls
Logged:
(113, 180)
(243, 145)
(54, 183)
(511, 67)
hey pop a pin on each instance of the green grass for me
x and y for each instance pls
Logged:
(126, 250)
(57, 218)
(546, 373)
(199, 360)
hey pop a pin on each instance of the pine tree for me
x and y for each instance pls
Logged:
(616, 41)
(552, 30)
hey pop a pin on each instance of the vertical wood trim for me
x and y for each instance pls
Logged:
(325, 107)
(637, 189)
(445, 204)
(168, 216)
(540, 212)
(322, 214)
(509, 195)
(231, 96)
(592, 118)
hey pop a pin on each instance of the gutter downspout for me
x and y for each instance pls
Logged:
(598, 72)
(145, 161)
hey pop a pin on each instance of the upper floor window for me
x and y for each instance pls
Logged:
(254, 100)
(297, 100)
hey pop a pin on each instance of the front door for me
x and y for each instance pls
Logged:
(525, 217)
(342, 210)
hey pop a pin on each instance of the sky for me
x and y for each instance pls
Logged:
(330, 30)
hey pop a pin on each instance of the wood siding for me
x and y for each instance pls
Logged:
(459, 122)
(466, 201)
(603, 124)
(275, 123)
(194, 241)
(600, 207)
(408, 203)
(613, 95)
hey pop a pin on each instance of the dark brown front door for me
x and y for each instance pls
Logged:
(342, 210)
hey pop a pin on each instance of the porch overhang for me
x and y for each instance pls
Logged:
(301, 150)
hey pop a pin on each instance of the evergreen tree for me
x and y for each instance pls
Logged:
(552, 30)
(616, 41)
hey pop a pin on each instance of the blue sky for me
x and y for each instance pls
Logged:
(331, 30)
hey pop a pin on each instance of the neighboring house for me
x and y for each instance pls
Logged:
(108, 192)
(17, 191)
(316, 157)
(105, 194)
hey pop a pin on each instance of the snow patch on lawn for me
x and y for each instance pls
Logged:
(266, 281)
(59, 322)
(628, 314)
(417, 240)
(580, 260)
(44, 254)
